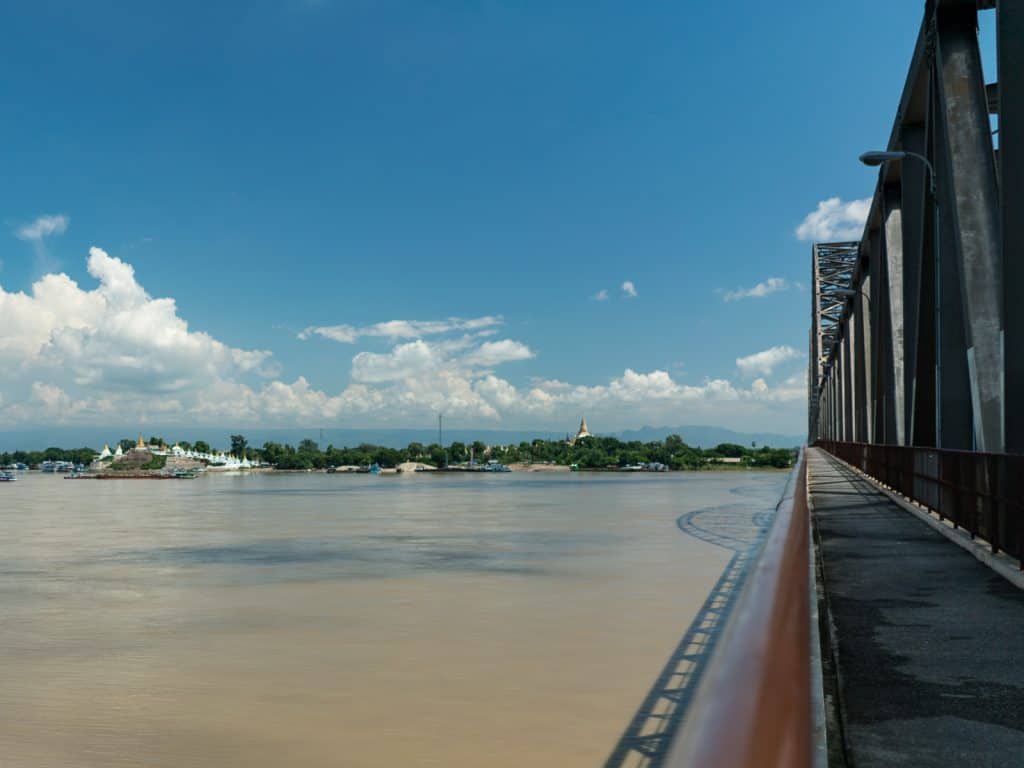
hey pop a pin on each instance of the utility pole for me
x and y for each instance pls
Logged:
(440, 439)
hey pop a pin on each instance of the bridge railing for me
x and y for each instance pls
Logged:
(754, 706)
(982, 493)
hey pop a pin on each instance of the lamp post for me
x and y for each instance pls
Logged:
(853, 292)
(896, 156)
(873, 159)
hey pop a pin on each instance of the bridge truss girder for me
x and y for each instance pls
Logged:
(833, 265)
(925, 348)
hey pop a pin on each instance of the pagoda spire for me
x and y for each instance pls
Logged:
(583, 432)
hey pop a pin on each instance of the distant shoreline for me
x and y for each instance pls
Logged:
(584, 453)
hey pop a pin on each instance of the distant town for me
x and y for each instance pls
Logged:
(584, 452)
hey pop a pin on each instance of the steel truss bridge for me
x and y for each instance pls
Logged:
(916, 379)
(917, 332)
(917, 329)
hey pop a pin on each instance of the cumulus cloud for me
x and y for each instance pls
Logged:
(44, 226)
(601, 295)
(493, 353)
(766, 361)
(113, 354)
(400, 329)
(405, 361)
(765, 288)
(114, 339)
(834, 220)
(629, 289)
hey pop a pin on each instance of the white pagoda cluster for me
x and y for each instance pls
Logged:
(217, 460)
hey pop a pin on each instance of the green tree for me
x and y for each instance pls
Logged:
(272, 453)
(308, 446)
(238, 445)
(730, 450)
(479, 450)
(435, 455)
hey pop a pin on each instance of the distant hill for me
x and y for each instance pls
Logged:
(709, 437)
(220, 437)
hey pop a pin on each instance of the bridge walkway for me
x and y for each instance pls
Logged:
(929, 642)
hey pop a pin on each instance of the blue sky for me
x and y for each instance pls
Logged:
(295, 165)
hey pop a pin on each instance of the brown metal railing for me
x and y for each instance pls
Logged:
(983, 493)
(754, 707)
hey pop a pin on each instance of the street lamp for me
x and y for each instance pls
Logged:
(873, 159)
(853, 293)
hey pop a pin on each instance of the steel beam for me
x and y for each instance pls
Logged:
(954, 414)
(971, 183)
(875, 275)
(845, 368)
(894, 392)
(1010, 37)
(924, 413)
(857, 367)
(913, 199)
(863, 304)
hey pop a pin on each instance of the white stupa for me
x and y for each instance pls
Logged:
(105, 453)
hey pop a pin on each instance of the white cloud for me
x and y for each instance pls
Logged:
(601, 295)
(493, 353)
(400, 329)
(112, 340)
(834, 220)
(44, 226)
(629, 289)
(344, 334)
(416, 358)
(112, 354)
(765, 288)
(765, 361)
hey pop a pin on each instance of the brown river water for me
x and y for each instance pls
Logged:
(335, 620)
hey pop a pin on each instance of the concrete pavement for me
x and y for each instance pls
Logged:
(929, 641)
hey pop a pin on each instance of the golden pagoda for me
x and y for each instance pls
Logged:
(583, 431)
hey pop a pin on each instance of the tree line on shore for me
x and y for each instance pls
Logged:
(587, 453)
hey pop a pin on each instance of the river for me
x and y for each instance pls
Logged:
(339, 620)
